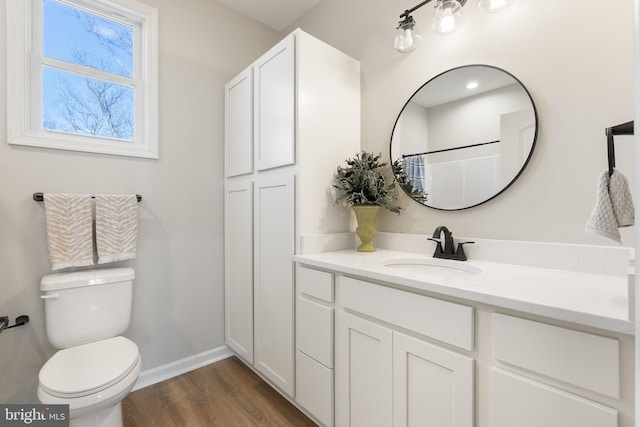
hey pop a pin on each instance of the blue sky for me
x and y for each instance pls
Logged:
(75, 36)
(64, 33)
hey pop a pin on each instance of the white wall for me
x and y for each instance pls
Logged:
(178, 300)
(414, 130)
(473, 120)
(577, 64)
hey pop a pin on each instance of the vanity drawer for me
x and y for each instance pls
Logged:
(314, 330)
(315, 283)
(314, 388)
(441, 320)
(585, 360)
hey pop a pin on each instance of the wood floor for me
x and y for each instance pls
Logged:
(225, 393)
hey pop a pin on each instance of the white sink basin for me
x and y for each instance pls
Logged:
(432, 265)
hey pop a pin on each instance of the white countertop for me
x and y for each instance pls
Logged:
(594, 300)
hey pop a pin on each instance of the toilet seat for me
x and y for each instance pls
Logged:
(88, 368)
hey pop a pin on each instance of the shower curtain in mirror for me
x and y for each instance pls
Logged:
(414, 169)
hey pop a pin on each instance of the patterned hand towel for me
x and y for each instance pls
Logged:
(69, 230)
(621, 199)
(116, 227)
(614, 207)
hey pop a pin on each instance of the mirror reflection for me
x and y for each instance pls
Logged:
(464, 137)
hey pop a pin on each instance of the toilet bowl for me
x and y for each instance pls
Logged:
(95, 367)
(92, 379)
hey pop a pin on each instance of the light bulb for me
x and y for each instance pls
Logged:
(447, 23)
(448, 17)
(492, 6)
(408, 37)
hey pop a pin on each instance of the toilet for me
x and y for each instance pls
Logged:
(95, 367)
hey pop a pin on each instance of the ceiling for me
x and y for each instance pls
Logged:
(451, 85)
(277, 14)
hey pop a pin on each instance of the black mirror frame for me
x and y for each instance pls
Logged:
(524, 165)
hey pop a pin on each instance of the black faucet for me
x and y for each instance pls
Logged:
(447, 251)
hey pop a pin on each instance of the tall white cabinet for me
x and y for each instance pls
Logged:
(290, 119)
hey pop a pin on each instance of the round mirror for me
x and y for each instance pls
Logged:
(463, 137)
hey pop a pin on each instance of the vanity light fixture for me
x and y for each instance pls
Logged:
(408, 36)
(492, 6)
(448, 17)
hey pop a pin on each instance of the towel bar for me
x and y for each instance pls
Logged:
(622, 129)
(39, 197)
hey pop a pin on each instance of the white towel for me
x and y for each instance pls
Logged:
(69, 230)
(116, 227)
(614, 206)
(621, 199)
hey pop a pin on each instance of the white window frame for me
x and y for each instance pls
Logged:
(24, 68)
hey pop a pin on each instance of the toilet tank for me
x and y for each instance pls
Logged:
(86, 306)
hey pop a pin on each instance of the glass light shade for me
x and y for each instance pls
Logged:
(448, 18)
(407, 39)
(492, 6)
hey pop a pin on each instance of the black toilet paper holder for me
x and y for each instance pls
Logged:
(20, 320)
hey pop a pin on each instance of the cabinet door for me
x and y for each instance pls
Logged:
(274, 106)
(238, 126)
(431, 386)
(238, 268)
(522, 402)
(273, 279)
(363, 370)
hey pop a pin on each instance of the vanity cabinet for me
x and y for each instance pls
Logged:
(290, 119)
(406, 355)
(391, 368)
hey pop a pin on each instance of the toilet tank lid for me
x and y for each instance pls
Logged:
(77, 279)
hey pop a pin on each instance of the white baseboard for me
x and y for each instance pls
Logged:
(179, 367)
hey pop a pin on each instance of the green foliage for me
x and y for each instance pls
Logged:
(363, 182)
(405, 183)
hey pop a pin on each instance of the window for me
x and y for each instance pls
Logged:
(82, 75)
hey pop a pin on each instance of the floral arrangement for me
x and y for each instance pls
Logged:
(364, 181)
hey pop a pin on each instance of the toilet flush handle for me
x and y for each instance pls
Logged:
(50, 296)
